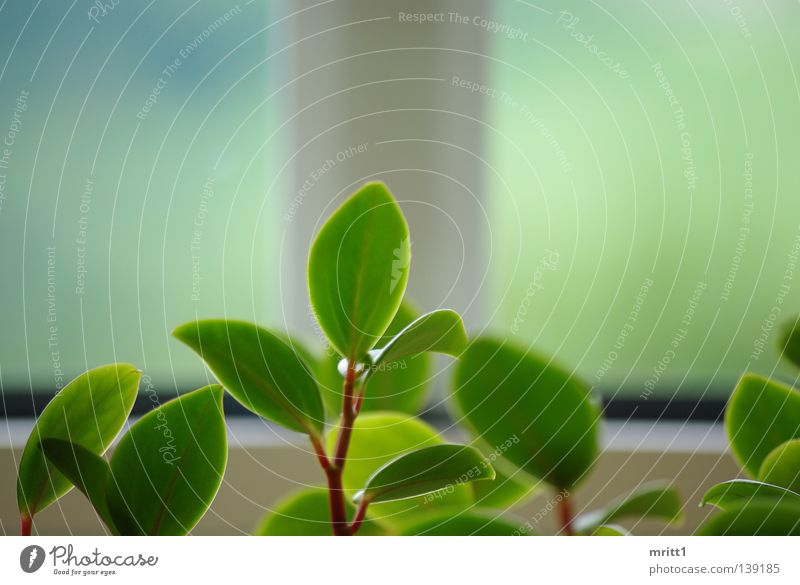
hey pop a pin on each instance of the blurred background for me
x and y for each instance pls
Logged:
(612, 183)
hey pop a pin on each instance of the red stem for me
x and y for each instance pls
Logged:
(566, 515)
(335, 467)
(360, 513)
(25, 525)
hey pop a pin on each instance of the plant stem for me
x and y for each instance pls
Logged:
(566, 515)
(335, 467)
(25, 525)
(360, 513)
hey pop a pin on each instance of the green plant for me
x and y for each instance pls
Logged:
(541, 424)
(357, 274)
(762, 421)
(385, 470)
(163, 474)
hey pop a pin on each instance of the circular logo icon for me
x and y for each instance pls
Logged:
(31, 558)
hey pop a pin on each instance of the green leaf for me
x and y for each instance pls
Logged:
(506, 491)
(478, 523)
(653, 501)
(86, 470)
(439, 331)
(756, 518)
(782, 466)
(379, 437)
(547, 417)
(729, 494)
(89, 411)
(358, 270)
(307, 513)
(790, 341)
(607, 530)
(260, 370)
(761, 415)
(167, 469)
(424, 471)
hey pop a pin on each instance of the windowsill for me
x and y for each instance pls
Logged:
(635, 436)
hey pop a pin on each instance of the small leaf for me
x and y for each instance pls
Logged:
(89, 411)
(546, 416)
(654, 501)
(761, 415)
(467, 524)
(757, 518)
(790, 341)
(607, 530)
(424, 471)
(358, 270)
(782, 466)
(86, 470)
(439, 331)
(260, 370)
(167, 469)
(729, 494)
(379, 437)
(307, 513)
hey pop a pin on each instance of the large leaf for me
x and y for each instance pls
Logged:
(307, 513)
(467, 524)
(790, 341)
(89, 411)
(168, 467)
(546, 418)
(358, 270)
(439, 331)
(757, 518)
(736, 492)
(86, 470)
(653, 501)
(761, 415)
(782, 466)
(378, 438)
(424, 471)
(260, 370)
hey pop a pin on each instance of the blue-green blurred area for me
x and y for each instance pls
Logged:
(123, 215)
(638, 170)
(646, 201)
